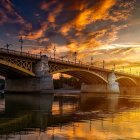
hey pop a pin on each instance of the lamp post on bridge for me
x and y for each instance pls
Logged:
(54, 51)
(130, 70)
(114, 66)
(40, 53)
(54, 48)
(137, 72)
(91, 61)
(103, 64)
(21, 42)
(123, 68)
(75, 56)
(62, 57)
(7, 46)
(52, 42)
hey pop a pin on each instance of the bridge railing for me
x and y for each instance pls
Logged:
(80, 64)
(24, 54)
(64, 61)
(89, 66)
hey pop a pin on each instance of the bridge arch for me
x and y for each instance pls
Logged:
(8, 69)
(126, 81)
(86, 76)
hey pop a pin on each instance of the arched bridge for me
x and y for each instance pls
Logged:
(28, 72)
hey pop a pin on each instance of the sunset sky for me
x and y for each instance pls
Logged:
(103, 29)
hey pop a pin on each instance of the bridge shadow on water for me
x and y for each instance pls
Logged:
(31, 115)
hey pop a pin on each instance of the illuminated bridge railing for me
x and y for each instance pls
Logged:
(66, 62)
(80, 64)
(90, 67)
(18, 53)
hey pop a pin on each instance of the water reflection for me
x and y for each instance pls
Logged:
(2, 105)
(80, 116)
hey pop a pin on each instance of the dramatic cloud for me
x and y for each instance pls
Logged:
(89, 27)
(8, 14)
(87, 15)
(84, 24)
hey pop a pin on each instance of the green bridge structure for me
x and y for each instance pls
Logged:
(25, 72)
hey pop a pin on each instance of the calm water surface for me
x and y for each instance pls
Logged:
(70, 117)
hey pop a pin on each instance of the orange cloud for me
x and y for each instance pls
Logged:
(52, 15)
(84, 40)
(46, 5)
(37, 34)
(100, 11)
(102, 36)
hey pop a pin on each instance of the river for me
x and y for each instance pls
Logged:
(73, 116)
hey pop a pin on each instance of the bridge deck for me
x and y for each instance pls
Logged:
(63, 62)
(90, 67)
(18, 53)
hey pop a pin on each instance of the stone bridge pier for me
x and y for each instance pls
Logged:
(112, 86)
(115, 84)
(41, 82)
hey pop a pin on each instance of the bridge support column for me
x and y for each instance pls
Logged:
(42, 71)
(113, 86)
(43, 81)
(43, 84)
